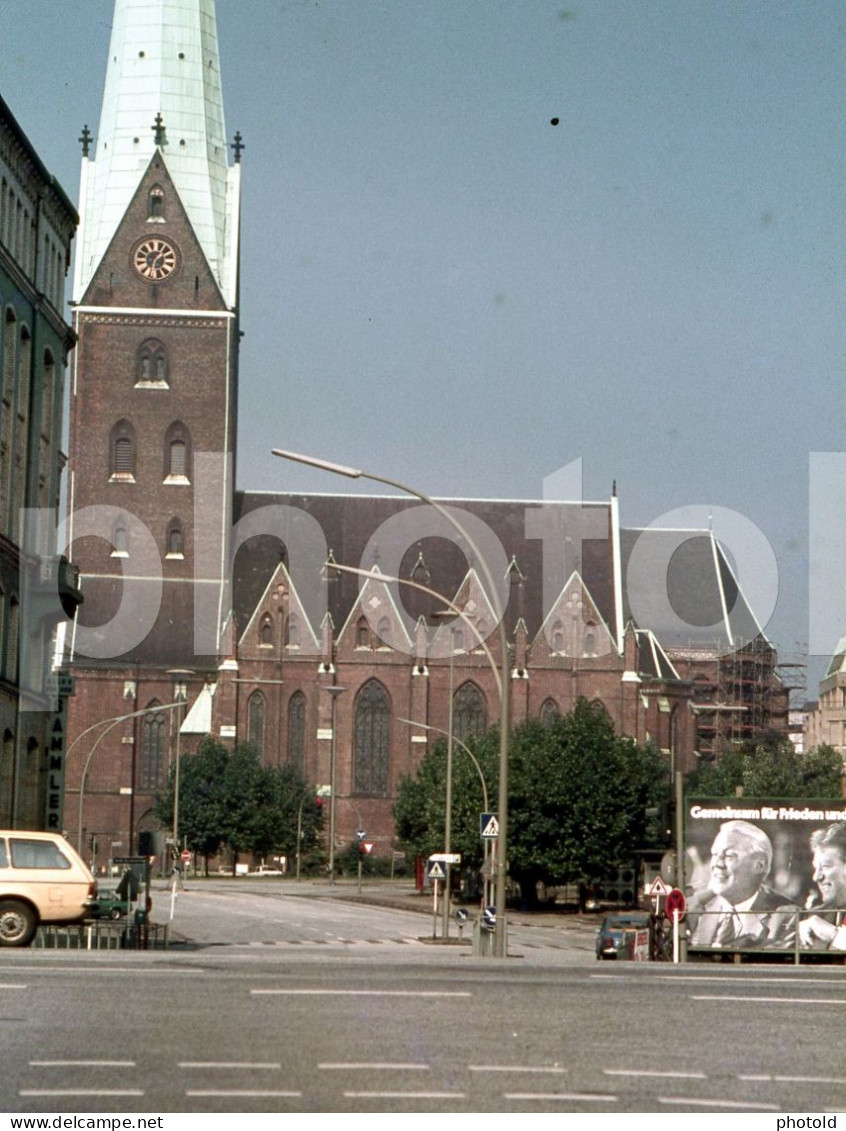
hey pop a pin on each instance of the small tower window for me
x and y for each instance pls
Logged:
(362, 633)
(177, 454)
(175, 539)
(177, 457)
(120, 542)
(155, 204)
(122, 452)
(266, 633)
(151, 369)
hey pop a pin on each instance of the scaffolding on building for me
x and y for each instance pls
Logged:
(740, 695)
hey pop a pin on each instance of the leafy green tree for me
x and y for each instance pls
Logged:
(227, 797)
(202, 798)
(420, 808)
(770, 766)
(579, 798)
(287, 803)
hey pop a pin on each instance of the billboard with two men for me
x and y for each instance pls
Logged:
(766, 874)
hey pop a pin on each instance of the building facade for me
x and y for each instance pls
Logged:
(37, 225)
(211, 611)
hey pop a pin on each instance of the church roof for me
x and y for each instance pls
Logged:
(676, 584)
(163, 61)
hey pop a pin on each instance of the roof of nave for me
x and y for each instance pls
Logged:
(677, 584)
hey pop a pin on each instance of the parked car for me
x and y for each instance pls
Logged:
(266, 870)
(108, 904)
(42, 880)
(611, 936)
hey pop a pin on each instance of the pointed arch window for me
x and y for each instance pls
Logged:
(255, 722)
(362, 633)
(297, 730)
(549, 712)
(470, 715)
(177, 454)
(383, 631)
(292, 633)
(122, 452)
(175, 539)
(372, 739)
(151, 369)
(153, 736)
(266, 632)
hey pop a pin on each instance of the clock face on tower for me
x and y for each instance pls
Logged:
(155, 259)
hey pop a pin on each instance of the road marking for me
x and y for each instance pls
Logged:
(552, 1069)
(80, 1092)
(367, 993)
(798, 1079)
(404, 1095)
(243, 1093)
(599, 1097)
(82, 1064)
(795, 1000)
(833, 981)
(376, 1066)
(650, 1072)
(47, 968)
(13, 986)
(742, 1105)
(225, 1064)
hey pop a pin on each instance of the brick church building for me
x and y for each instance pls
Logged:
(213, 610)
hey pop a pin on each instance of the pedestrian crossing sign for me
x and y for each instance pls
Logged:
(436, 870)
(488, 826)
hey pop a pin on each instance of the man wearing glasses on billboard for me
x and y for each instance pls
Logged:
(738, 909)
(826, 929)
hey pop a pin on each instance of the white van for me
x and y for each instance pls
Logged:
(42, 880)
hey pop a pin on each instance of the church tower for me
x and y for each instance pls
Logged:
(153, 395)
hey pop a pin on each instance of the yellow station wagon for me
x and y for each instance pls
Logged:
(42, 880)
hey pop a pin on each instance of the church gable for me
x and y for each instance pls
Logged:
(154, 258)
(465, 633)
(574, 626)
(279, 627)
(374, 622)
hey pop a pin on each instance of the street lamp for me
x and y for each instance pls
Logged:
(334, 690)
(180, 695)
(113, 722)
(500, 944)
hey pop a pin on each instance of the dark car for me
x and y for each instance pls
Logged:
(616, 930)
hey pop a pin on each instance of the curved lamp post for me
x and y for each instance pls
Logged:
(112, 723)
(451, 610)
(464, 747)
(500, 944)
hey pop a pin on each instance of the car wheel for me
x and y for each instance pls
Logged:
(115, 913)
(18, 923)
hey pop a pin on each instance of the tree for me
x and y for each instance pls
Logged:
(770, 766)
(288, 803)
(202, 798)
(579, 797)
(420, 808)
(228, 797)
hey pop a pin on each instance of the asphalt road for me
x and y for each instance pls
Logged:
(378, 1023)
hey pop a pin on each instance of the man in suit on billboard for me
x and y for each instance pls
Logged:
(826, 928)
(738, 909)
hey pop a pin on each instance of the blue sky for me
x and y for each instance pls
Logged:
(441, 286)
